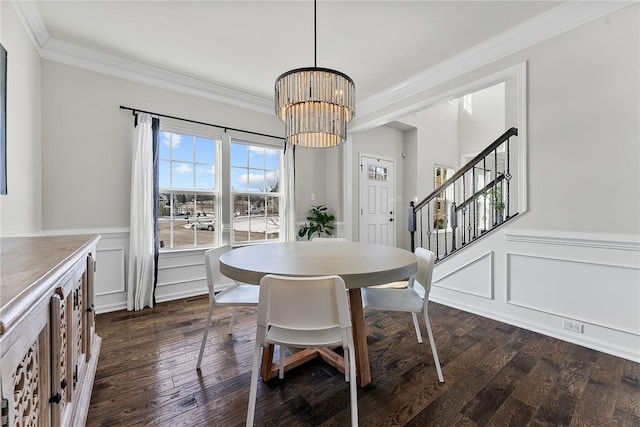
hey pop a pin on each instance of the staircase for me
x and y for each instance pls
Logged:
(477, 199)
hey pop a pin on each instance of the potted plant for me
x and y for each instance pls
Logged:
(496, 199)
(319, 222)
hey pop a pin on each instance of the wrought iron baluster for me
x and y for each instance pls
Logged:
(464, 208)
(496, 193)
(493, 186)
(484, 194)
(435, 229)
(453, 215)
(508, 176)
(475, 202)
(445, 224)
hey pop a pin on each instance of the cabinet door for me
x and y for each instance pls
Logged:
(61, 357)
(79, 328)
(90, 316)
(24, 381)
(69, 342)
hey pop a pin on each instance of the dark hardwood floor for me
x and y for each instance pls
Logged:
(495, 375)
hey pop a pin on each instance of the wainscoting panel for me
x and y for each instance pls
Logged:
(112, 258)
(109, 276)
(473, 278)
(579, 287)
(601, 294)
(181, 274)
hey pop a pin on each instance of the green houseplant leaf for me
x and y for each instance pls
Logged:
(496, 198)
(319, 222)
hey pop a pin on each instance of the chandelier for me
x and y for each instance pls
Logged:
(315, 103)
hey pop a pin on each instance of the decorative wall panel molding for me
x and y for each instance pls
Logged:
(597, 293)
(110, 278)
(474, 277)
(588, 240)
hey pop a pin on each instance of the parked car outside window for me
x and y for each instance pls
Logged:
(203, 225)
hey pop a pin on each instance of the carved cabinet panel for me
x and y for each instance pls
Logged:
(48, 347)
(27, 380)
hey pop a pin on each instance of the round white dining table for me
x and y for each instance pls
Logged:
(359, 265)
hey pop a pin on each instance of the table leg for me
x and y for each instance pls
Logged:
(267, 362)
(363, 370)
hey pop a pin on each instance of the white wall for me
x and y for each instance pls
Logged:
(86, 169)
(583, 118)
(485, 123)
(583, 157)
(20, 209)
(575, 255)
(438, 142)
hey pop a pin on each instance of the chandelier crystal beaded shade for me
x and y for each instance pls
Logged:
(315, 104)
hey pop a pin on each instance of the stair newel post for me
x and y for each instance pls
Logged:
(412, 224)
(428, 227)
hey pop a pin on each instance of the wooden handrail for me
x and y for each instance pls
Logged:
(466, 168)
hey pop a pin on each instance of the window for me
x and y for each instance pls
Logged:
(256, 192)
(217, 189)
(188, 203)
(377, 173)
(467, 103)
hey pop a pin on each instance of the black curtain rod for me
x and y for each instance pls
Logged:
(225, 128)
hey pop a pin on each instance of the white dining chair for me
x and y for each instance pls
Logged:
(414, 299)
(304, 312)
(235, 295)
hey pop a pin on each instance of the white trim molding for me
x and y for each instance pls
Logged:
(558, 20)
(480, 268)
(567, 287)
(627, 242)
(562, 18)
(543, 279)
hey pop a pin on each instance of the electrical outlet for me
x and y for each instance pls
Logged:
(573, 326)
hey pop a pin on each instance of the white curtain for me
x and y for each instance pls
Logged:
(141, 224)
(289, 195)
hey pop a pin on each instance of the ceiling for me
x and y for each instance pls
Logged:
(246, 45)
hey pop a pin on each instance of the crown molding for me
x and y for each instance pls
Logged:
(112, 65)
(564, 17)
(31, 20)
(89, 59)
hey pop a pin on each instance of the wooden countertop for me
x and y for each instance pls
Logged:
(30, 266)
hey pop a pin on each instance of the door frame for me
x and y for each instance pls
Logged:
(360, 192)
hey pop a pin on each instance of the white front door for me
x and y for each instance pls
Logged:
(377, 201)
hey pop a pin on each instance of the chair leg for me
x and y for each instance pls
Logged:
(253, 390)
(232, 321)
(417, 326)
(433, 345)
(281, 362)
(347, 368)
(353, 386)
(206, 334)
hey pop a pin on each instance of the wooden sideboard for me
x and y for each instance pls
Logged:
(48, 344)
